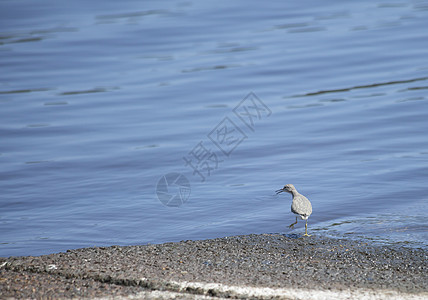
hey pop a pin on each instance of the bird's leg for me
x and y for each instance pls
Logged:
(306, 228)
(292, 225)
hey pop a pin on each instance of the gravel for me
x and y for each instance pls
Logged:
(269, 261)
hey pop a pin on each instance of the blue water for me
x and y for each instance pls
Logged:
(100, 100)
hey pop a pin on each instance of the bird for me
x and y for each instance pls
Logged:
(300, 206)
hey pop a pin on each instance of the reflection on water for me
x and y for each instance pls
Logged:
(94, 90)
(366, 87)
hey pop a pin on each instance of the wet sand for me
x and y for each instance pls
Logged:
(267, 266)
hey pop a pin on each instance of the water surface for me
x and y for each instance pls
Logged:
(99, 100)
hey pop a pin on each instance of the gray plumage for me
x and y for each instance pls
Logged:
(300, 206)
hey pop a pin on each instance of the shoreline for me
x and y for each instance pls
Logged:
(262, 266)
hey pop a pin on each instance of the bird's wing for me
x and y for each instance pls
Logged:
(301, 206)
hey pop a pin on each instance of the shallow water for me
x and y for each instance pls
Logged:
(99, 101)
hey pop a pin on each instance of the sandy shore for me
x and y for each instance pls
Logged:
(268, 266)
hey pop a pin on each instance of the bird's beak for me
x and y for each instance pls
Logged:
(279, 191)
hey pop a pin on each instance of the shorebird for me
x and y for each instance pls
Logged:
(300, 205)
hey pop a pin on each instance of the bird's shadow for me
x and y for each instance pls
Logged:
(292, 235)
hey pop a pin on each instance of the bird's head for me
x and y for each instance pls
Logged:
(289, 188)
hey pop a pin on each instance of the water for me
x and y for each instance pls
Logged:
(99, 100)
